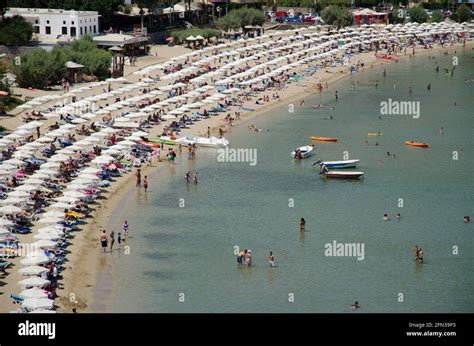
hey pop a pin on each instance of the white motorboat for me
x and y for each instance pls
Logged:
(303, 152)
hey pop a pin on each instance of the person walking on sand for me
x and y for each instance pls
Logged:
(145, 183)
(138, 176)
(112, 240)
(103, 240)
(302, 224)
(125, 229)
(208, 132)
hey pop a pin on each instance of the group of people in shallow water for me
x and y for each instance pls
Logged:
(245, 258)
(386, 218)
(187, 177)
(104, 239)
(418, 251)
(138, 177)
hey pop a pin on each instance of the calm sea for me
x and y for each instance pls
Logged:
(182, 258)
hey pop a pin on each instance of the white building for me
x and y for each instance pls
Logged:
(50, 24)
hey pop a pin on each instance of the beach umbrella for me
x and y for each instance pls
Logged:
(62, 205)
(22, 154)
(15, 162)
(12, 200)
(35, 181)
(53, 213)
(38, 303)
(51, 231)
(92, 176)
(17, 193)
(33, 282)
(58, 158)
(6, 222)
(33, 270)
(51, 220)
(91, 170)
(27, 188)
(76, 187)
(34, 292)
(8, 167)
(45, 139)
(4, 232)
(10, 209)
(66, 199)
(75, 194)
(46, 236)
(50, 165)
(45, 244)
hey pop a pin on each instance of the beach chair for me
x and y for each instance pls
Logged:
(16, 298)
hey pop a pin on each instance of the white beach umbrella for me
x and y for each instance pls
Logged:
(53, 213)
(18, 193)
(35, 181)
(75, 194)
(33, 270)
(57, 229)
(15, 162)
(66, 199)
(10, 209)
(50, 165)
(12, 200)
(92, 176)
(34, 292)
(62, 205)
(43, 244)
(77, 187)
(33, 282)
(6, 222)
(51, 220)
(58, 158)
(4, 232)
(46, 236)
(27, 188)
(91, 170)
(38, 303)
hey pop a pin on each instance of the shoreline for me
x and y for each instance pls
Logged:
(94, 289)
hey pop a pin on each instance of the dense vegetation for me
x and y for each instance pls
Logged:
(181, 35)
(41, 68)
(337, 16)
(418, 14)
(15, 31)
(238, 19)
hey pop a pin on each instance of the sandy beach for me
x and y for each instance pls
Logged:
(89, 278)
(93, 289)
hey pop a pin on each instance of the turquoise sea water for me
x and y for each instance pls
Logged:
(189, 250)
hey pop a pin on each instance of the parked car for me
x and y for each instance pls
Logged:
(294, 20)
(281, 14)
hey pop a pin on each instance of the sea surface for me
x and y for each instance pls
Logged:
(182, 255)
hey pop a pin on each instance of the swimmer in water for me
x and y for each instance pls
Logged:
(398, 216)
(302, 224)
(467, 219)
(355, 305)
(441, 130)
(385, 217)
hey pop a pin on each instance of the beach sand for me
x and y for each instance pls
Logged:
(89, 278)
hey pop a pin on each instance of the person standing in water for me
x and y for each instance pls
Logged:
(145, 183)
(187, 176)
(103, 240)
(195, 178)
(271, 259)
(302, 224)
(336, 95)
(112, 240)
(125, 229)
(138, 176)
(429, 86)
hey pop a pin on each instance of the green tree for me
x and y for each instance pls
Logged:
(39, 69)
(437, 16)
(463, 14)
(418, 14)
(337, 16)
(15, 31)
(240, 18)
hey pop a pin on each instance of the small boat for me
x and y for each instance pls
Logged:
(375, 134)
(161, 141)
(417, 144)
(343, 175)
(212, 142)
(183, 140)
(338, 164)
(324, 139)
(304, 151)
(150, 144)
